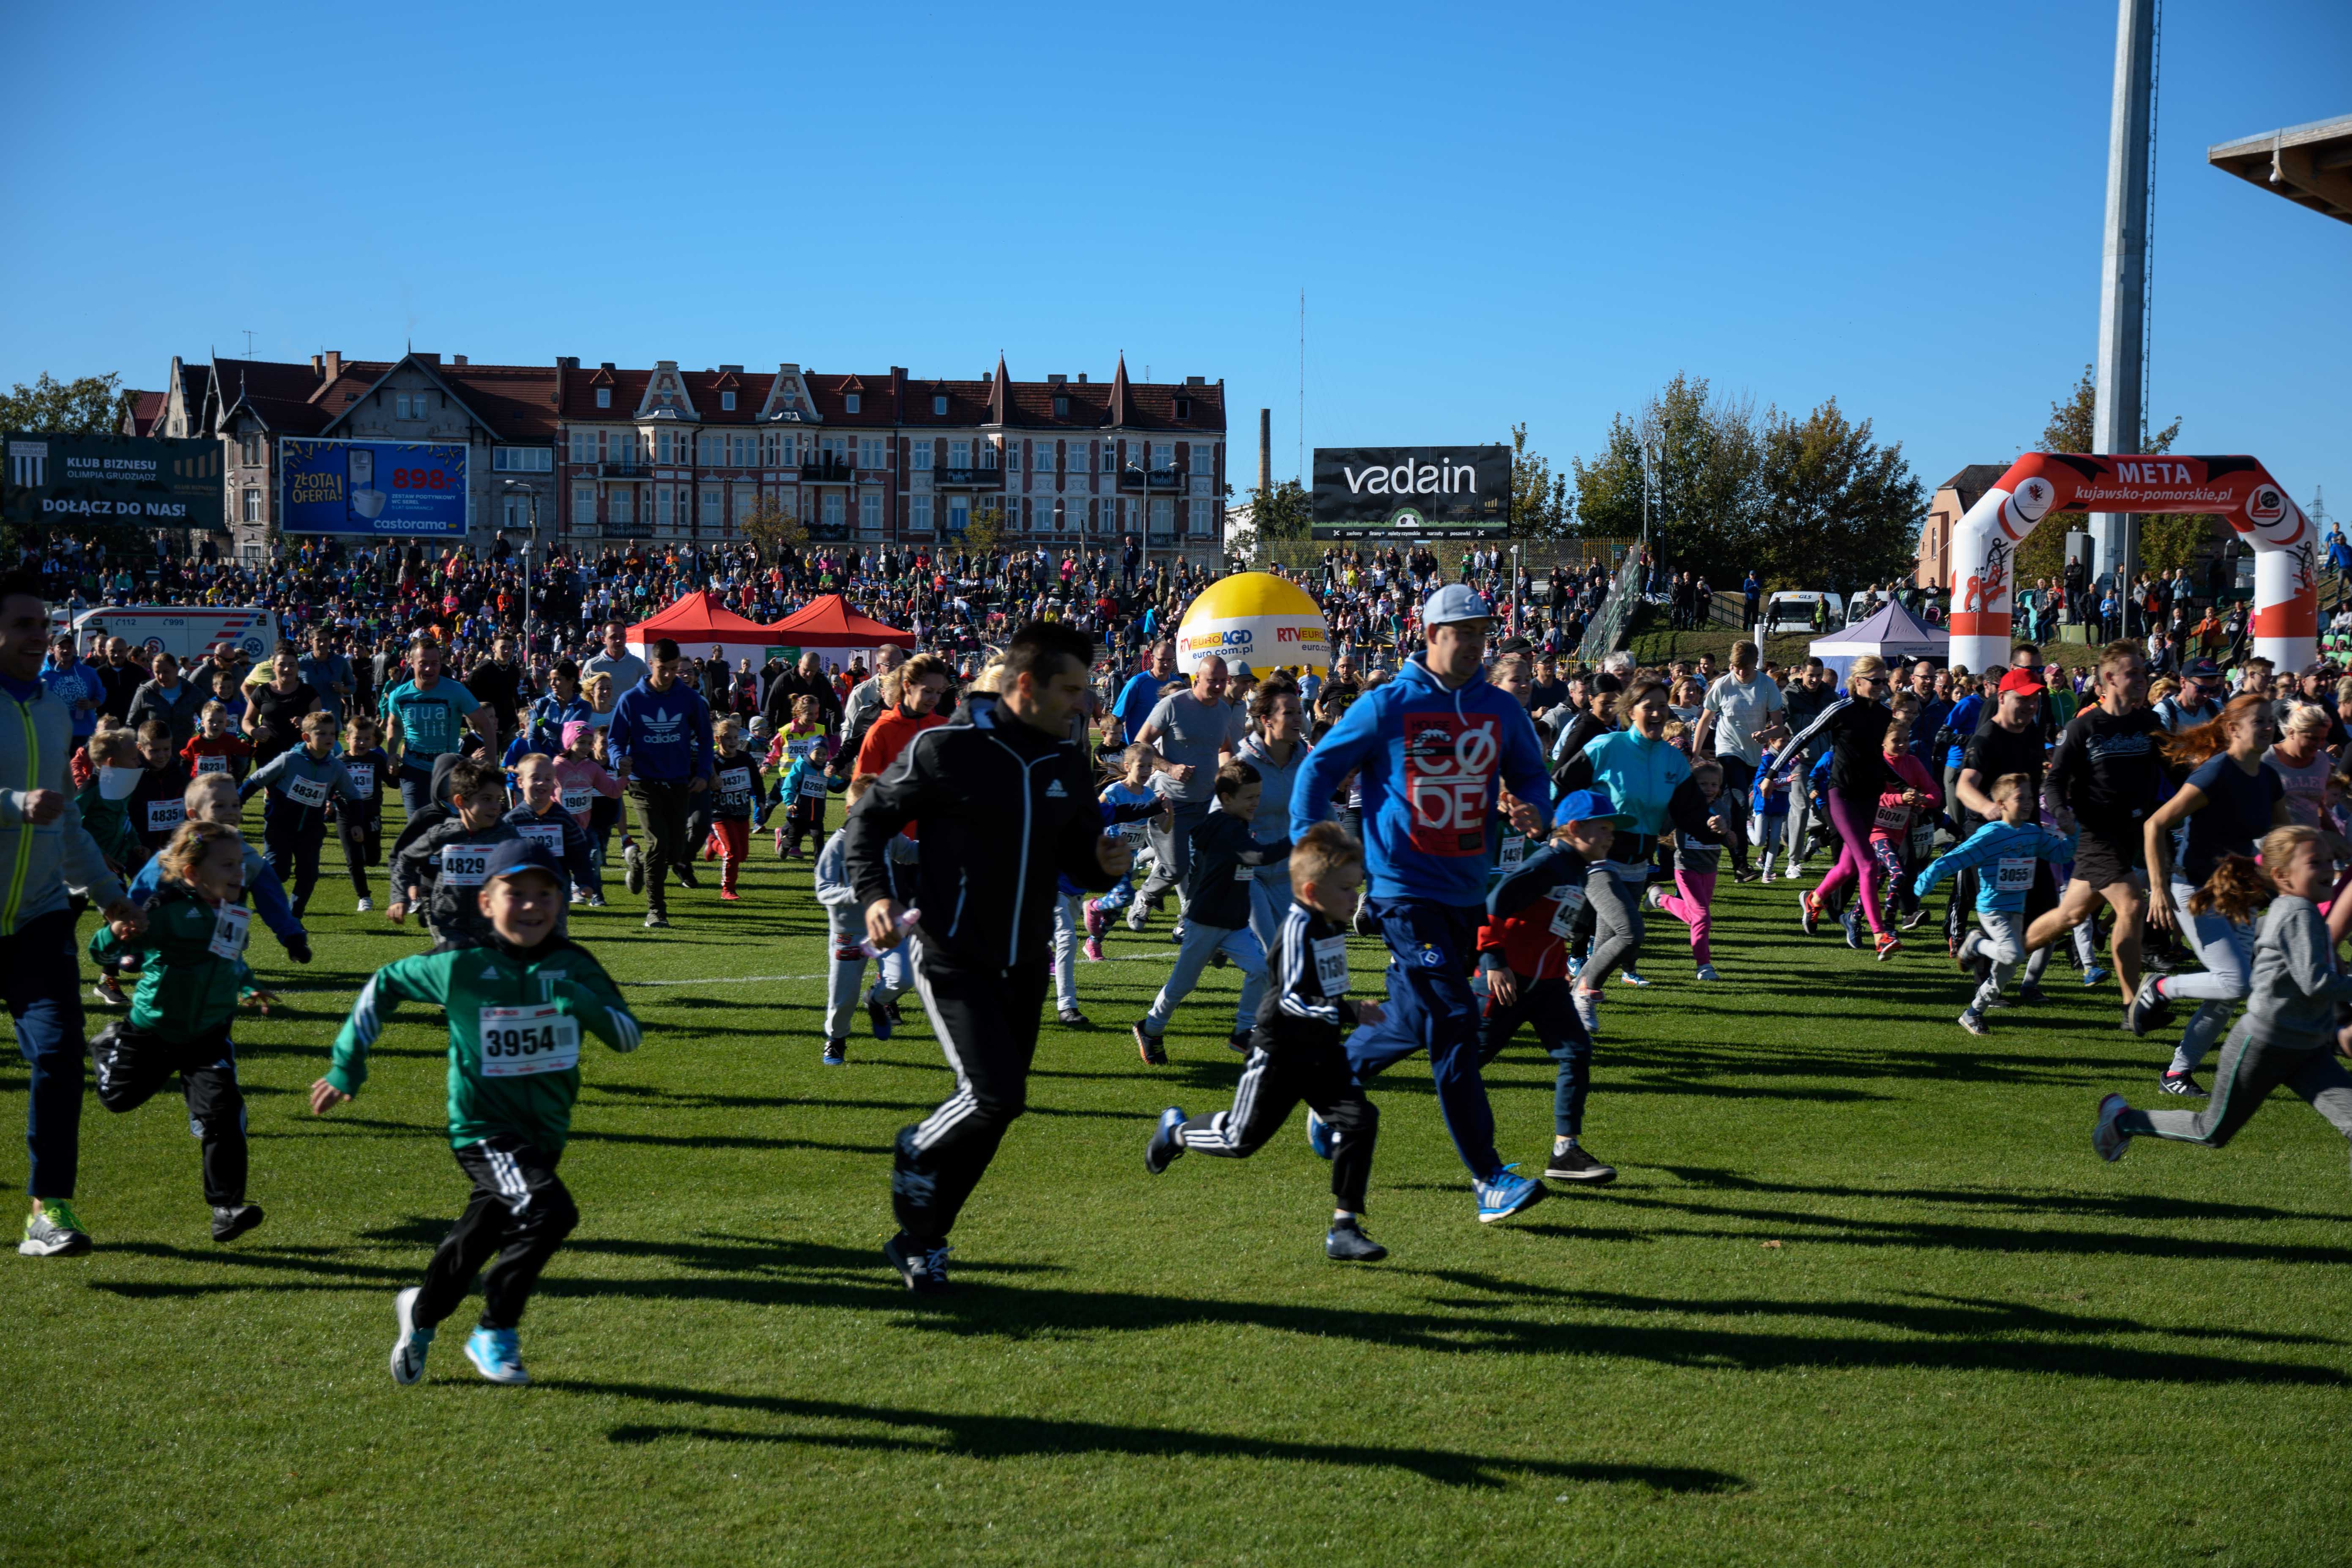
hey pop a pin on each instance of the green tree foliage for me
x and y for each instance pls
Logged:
(1835, 505)
(88, 405)
(1286, 514)
(1540, 507)
(772, 528)
(2167, 540)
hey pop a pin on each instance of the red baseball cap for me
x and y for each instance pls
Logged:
(2021, 680)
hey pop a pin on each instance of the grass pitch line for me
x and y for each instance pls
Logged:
(758, 979)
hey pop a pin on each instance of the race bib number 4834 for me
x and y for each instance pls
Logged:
(1449, 774)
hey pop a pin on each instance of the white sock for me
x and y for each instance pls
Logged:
(1562, 1145)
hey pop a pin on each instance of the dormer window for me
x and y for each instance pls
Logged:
(1183, 408)
(849, 403)
(726, 402)
(939, 407)
(1061, 408)
(603, 397)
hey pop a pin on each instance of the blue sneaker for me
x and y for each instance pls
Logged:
(878, 1017)
(2094, 975)
(494, 1354)
(1507, 1195)
(1575, 968)
(1161, 1152)
(1319, 1135)
(1627, 977)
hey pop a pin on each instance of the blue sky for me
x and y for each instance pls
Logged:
(1498, 214)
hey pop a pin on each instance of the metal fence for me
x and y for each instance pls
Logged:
(1537, 557)
(1614, 621)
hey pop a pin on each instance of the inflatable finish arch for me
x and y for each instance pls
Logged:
(2286, 581)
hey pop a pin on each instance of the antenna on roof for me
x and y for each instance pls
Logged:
(248, 340)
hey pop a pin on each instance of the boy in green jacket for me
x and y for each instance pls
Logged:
(193, 949)
(516, 1006)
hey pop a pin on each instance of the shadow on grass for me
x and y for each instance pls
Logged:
(2039, 1200)
(981, 1437)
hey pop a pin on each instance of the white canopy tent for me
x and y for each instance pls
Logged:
(1893, 634)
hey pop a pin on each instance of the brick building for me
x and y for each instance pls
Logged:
(669, 454)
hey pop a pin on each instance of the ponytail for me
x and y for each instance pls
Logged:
(2237, 888)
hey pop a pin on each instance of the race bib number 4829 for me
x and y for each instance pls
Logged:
(1449, 774)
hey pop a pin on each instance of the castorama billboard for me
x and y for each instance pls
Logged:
(1412, 492)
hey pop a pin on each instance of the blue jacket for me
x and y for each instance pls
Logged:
(1462, 739)
(1640, 774)
(1962, 722)
(665, 734)
(2014, 848)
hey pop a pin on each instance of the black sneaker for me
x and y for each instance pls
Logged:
(836, 1053)
(685, 875)
(2030, 993)
(896, 1016)
(1074, 1019)
(924, 1268)
(2179, 1083)
(1161, 1152)
(1347, 1242)
(1148, 1047)
(1576, 1166)
(228, 1223)
(2147, 1010)
(1238, 1041)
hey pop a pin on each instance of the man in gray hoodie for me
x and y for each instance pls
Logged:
(170, 700)
(44, 851)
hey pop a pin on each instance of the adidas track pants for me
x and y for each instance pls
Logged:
(986, 1020)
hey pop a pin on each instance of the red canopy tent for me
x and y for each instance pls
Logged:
(829, 622)
(700, 621)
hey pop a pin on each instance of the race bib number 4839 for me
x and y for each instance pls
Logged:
(520, 1041)
(1449, 774)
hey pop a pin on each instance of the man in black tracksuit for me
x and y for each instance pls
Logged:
(1004, 806)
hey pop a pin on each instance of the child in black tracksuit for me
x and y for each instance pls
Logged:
(156, 808)
(1225, 864)
(1297, 1049)
(300, 781)
(359, 823)
(442, 867)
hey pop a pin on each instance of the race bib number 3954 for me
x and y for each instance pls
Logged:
(1449, 772)
(520, 1041)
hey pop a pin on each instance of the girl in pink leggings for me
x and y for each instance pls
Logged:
(1856, 726)
(1695, 869)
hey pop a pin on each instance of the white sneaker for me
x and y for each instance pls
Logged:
(365, 906)
(408, 1351)
(1588, 1010)
(1766, 876)
(1706, 972)
(1653, 897)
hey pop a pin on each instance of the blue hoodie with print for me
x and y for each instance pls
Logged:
(1415, 744)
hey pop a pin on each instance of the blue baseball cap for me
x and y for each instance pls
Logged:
(1455, 602)
(516, 854)
(1588, 805)
(2200, 670)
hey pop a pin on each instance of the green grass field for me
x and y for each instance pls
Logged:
(1862, 1294)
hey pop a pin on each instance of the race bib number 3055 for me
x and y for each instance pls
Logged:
(520, 1041)
(1449, 772)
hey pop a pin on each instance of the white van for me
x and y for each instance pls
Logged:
(187, 632)
(1792, 611)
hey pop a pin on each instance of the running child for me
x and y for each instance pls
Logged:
(215, 748)
(2012, 843)
(442, 870)
(2289, 1024)
(1906, 805)
(192, 963)
(1523, 954)
(590, 793)
(1768, 808)
(1297, 1044)
(1697, 864)
(299, 780)
(105, 801)
(801, 748)
(156, 808)
(516, 1006)
(1226, 859)
(1128, 793)
(359, 823)
(542, 819)
(846, 917)
(738, 785)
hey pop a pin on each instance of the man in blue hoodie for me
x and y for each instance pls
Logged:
(1429, 749)
(660, 741)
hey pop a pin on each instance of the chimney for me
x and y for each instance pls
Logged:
(1082, 378)
(1265, 452)
(314, 364)
(333, 365)
(568, 361)
(456, 359)
(424, 358)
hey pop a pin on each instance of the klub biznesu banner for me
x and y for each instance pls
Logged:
(147, 482)
(395, 488)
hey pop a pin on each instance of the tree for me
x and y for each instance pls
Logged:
(1287, 513)
(89, 405)
(771, 528)
(2165, 540)
(1834, 506)
(1540, 504)
(1704, 456)
(985, 532)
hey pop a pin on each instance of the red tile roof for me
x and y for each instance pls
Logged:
(146, 407)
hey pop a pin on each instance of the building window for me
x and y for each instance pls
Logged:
(1164, 455)
(1081, 458)
(849, 403)
(725, 403)
(1012, 457)
(515, 512)
(921, 455)
(744, 497)
(922, 515)
(583, 446)
(250, 450)
(1183, 408)
(583, 506)
(1061, 408)
(832, 509)
(662, 513)
(959, 454)
(939, 406)
(870, 513)
(622, 504)
(1163, 515)
(711, 503)
(252, 512)
(959, 515)
(603, 397)
(988, 452)
(522, 459)
(871, 453)
(661, 445)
